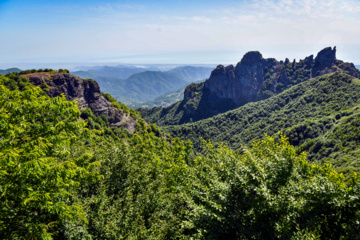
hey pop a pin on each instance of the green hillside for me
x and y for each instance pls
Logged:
(320, 116)
(66, 174)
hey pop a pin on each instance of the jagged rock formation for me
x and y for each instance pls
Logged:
(86, 92)
(252, 79)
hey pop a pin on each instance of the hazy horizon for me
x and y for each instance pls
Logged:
(184, 32)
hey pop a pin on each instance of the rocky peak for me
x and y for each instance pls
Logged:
(251, 58)
(255, 78)
(85, 91)
(309, 60)
(326, 57)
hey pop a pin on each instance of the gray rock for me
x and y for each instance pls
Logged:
(85, 92)
(326, 57)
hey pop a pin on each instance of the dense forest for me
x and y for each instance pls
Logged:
(66, 173)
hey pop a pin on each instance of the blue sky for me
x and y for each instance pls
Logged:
(185, 32)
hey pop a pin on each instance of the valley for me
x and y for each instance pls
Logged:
(135, 86)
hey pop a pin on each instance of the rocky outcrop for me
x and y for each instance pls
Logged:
(252, 79)
(85, 91)
(255, 78)
(325, 58)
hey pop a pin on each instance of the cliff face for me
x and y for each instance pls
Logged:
(254, 75)
(255, 78)
(86, 92)
(252, 79)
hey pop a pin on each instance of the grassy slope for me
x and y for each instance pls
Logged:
(320, 116)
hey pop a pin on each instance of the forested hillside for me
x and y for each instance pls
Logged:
(66, 173)
(320, 116)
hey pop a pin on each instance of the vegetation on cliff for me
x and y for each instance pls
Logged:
(320, 116)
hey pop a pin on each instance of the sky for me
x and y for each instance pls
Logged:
(175, 32)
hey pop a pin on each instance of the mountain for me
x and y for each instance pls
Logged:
(9, 70)
(191, 74)
(162, 101)
(321, 116)
(86, 92)
(252, 79)
(146, 85)
(60, 179)
(122, 72)
(84, 74)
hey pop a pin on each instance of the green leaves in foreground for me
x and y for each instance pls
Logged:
(270, 192)
(40, 165)
(154, 189)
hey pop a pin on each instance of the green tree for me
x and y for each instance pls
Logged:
(40, 164)
(271, 192)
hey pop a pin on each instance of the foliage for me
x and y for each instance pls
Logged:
(158, 187)
(40, 165)
(271, 192)
(153, 189)
(134, 114)
(319, 116)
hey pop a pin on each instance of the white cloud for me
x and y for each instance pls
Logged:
(130, 30)
(195, 19)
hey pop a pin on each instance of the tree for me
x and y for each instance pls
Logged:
(40, 164)
(271, 192)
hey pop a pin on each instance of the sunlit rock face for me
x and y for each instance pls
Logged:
(86, 92)
(255, 78)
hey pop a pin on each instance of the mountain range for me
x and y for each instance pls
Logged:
(134, 85)
(9, 70)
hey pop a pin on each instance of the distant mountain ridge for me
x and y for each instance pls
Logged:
(252, 79)
(9, 70)
(144, 84)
